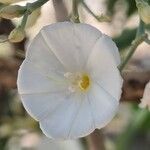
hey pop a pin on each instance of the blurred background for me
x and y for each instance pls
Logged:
(129, 130)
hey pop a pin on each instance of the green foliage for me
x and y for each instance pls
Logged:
(125, 39)
(138, 121)
(3, 142)
(131, 7)
(110, 6)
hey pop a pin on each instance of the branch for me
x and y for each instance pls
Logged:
(101, 18)
(18, 34)
(132, 49)
(33, 6)
(141, 30)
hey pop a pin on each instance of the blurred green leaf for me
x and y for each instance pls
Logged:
(3, 142)
(110, 4)
(131, 7)
(125, 39)
(138, 120)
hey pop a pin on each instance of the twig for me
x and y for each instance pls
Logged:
(101, 18)
(141, 30)
(25, 18)
(132, 49)
(33, 6)
(30, 7)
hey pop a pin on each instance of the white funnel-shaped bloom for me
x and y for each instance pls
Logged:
(69, 81)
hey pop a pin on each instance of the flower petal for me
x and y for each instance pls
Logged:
(83, 123)
(103, 106)
(57, 124)
(85, 38)
(39, 54)
(73, 49)
(108, 45)
(38, 105)
(62, 47)
(32, 80)
(102, 67)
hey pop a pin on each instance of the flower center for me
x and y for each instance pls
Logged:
(78, 81)
(84, 82)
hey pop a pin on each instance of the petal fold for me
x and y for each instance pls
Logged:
(71, 43)
(32, 79)
(102, 68)
(57, 124)
(103, 106)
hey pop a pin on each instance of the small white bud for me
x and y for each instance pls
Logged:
(9, 1)
(16, 35)
(12, 11)
(144, 11)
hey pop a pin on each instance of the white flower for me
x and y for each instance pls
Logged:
(145, 101)
(69, 80)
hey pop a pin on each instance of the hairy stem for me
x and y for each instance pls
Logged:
(30, 7)
(101, 18)
(36, 4)
(25, 18)
(132, 49)
(141, 29)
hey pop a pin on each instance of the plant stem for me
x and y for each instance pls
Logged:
(30, 7)
(25, 18)
(141, 29)
(75, 14)
(36, 4)
(89, 10)
(101, 18)
(132, 49)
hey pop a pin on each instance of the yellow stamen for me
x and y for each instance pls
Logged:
(84, 82)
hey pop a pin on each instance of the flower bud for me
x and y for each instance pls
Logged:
(144, 11)
(9, 1)
(16, 35)
(12, 11)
